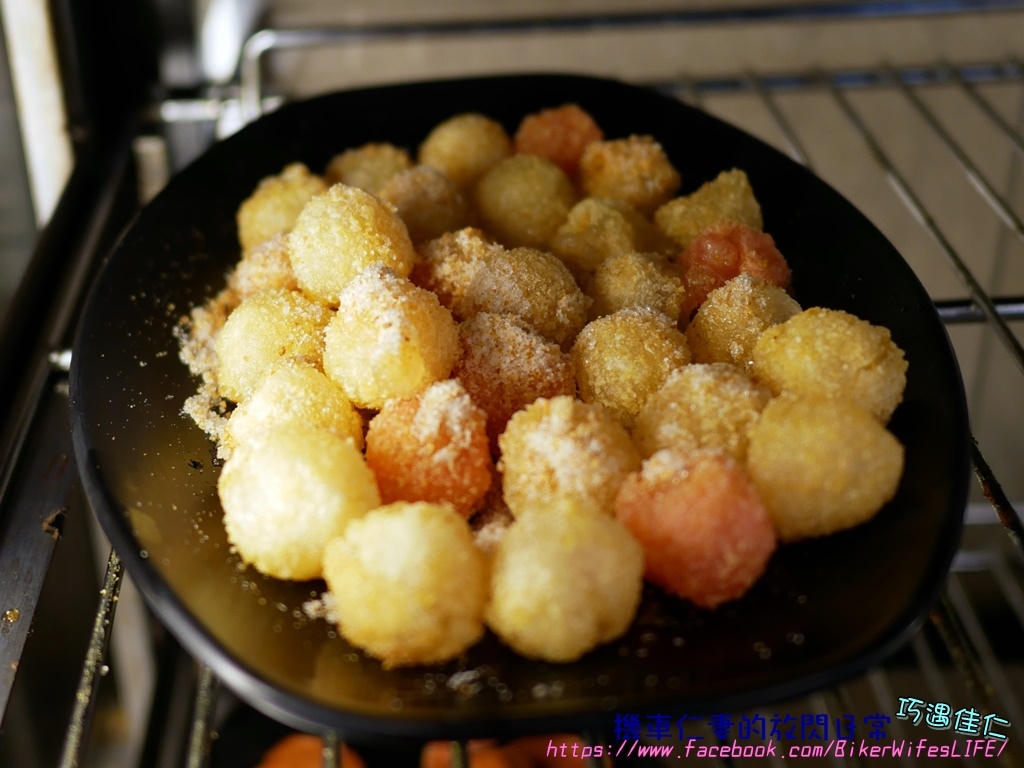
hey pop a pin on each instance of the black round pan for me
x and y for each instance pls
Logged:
(825, 610)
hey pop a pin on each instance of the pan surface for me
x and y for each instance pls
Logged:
(825, 610)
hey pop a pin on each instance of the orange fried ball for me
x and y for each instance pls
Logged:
(733, 317)
(368, 167)
(724, 251)
(706, 535)
(293, 391)
(564, 579)
(636, 280)
(728, 197)
(389, 338)
(700, 405)
(822, 465)
(432, 447)
(408, 583)
(523, 200)
(342, 232)
(635, 169)
(427, 201)
(561, 449)
(448, 265)
(559, 134)
(533, 285)
(621, 359)
(286, 494)
(833, 353)
(263, 329)
(465, 147)
(596, 229)
(275, 204)
(505, 366)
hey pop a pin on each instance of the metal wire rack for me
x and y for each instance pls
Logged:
(968, 651)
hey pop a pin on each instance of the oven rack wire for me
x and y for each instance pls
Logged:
(958, 651)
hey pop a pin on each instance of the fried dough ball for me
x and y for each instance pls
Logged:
(596, 229)
(706, 535)
(564, 579)
(293, 391)
(505, 366)
(263, 329)
(701, 405)
(822, 464)
(635, 169)
(523, 200)
(287, 493)
(432, 447)
(409, 584)
(533, 285)
(368, 167)
(427, 201)
(267, 265)
(342, 232)
(833, 353)
(275, 204)
(448, 265)
(559, 134)
(732, 318)
(621, 359)
(728, 197)
(562, 449)
(389, 338)
(636, 280)
(725, 250)
(465, 147)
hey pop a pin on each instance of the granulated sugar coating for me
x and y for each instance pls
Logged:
(427, 201)
(275, 204)
(635, 169)
(368, 167)
(448, 265)
(636, 280)
(728, 198)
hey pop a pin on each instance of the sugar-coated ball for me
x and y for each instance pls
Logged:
(427, 201)
(449, 263)
(636, 280)
(267, 265)
(559, 134)
(275, 204)
(635, 169)
(728, 197)
(368, 167)
(465, 147)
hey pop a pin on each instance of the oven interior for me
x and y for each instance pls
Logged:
(913, 110)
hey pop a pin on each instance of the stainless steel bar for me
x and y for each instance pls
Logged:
(957, 311)
(94, 667)
(993, 490)
(917, 208)
(202, 718)
(1011, 133)
(796, 148)
(330, 753)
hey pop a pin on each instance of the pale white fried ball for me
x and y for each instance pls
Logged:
(263, 329)
(408, 583)
(833, 353)
(732, 318)
(389, 338)
(623, 358)
(286, 494)
(294, 391)
(342, 232)
(822, 464)
(564, 579)
(559, 449)
(275, 204)
(701, 405)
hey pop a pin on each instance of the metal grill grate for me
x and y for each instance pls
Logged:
(968, 651)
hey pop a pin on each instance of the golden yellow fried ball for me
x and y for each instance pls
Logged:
(636, 280)
(263, 329)
(732, 318)
(836, 354)
(342, 232)
(465, 147)
(368, 167)
(635, 169)
(701, 405)
(275, 204)
(728, 197)
(286, 494)
(427, 201)
(822, 464)
(389, 338)
(533, 285)
(523, 200)
(409, 584)
(597, 229)
(563, 449)
(267, 265)
(621, 359)
(564, 579)
(294, 391)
